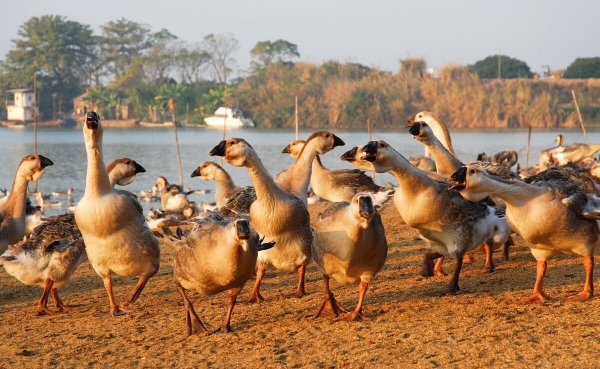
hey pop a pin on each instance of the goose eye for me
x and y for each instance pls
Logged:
(327, 135)
(472, 171)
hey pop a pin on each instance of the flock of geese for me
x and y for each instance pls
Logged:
(457, 207)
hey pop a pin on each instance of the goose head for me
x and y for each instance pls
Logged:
(32, 167)
(558, 140)
(207, 171)
(242, 230)
(353, 157)
(123, 171)
(235, 151)
(92, 130)
(380, 154)
(426, 117)
(161, 183)
(362, 208)
(470, 179)
(422, 133)
(323, 142)
(294, 148)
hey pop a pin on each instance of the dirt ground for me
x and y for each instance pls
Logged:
(480, 327)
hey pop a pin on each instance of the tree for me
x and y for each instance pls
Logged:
(191, 63)
(267, 52)
(159, 59)
(413, 67)
(122, 41)
(220, 49)
(59, 51)
(501, 66)
(583, 68)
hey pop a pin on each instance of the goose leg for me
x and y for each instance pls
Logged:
(469, 259)
(193, 322)
(506, 249)
(42, 304)
(428, 265)
(300, 292)
(453, 287)
(231, 300)
(255, 296)
(330, 304)
(538, 294)
(139, 287)
(489, 258)
(588, 287)
(58, 302)
(357, 313)
(115, 310)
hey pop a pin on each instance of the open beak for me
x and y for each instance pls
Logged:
(286, 150)
(411, 120)
(350, 155)
(44, 161)
(243, 229)
(139, 168)
(196, 172)
(92, 119)
(218, 150)
(337, 141)
(370, 151)
(365, 207)
(458, 179)
(415, 129)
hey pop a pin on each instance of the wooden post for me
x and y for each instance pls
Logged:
(369, 133)
(527, 149)
(296, 116)
(172, 108)
(187, 109)
(587, 139)
(35, 125)
(499, 65)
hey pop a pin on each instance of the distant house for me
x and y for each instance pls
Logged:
(20, 105)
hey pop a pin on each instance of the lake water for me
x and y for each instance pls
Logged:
(155, 151)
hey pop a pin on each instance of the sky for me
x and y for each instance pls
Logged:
(374, 33)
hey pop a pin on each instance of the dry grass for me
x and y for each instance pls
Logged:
(410, 328)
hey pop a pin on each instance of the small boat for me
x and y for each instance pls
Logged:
(231, 118)
(156, 125)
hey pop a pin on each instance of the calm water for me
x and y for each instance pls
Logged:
(155, 151)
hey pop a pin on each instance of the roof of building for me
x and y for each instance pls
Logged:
(20, 90)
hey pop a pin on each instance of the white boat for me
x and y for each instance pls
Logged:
(232, 118)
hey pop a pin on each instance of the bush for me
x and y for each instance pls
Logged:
(584, 68)
(509, 67)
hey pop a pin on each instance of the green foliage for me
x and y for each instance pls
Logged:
(509, 67)
(265, 53)
(583, 68)
(123, 40)
(413, 67)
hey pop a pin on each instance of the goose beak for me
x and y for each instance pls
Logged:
(365, 207)
(415, 129)
(44, 161)
(458, 179)
(370, 151)
(91, 120)
(139, 168)
(350, 155)
(286, 150)
(196, 173)
(337, 141)
(411, 120)
(243, 229)
(218, 150)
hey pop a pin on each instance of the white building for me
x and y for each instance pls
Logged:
(20, 105)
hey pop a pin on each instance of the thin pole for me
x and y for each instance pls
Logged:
(35, 125)
(499, 66)
(296, 117)
(369, 133)
(172, 107)
(587, 139)
(527, 149)
(187, 109)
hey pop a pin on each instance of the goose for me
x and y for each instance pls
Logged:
(575, 153)
(171, 196)
(351, 248)
(546, 155)
(508, 158)
(300, 174)
(33, 217)
(438, 127)
(548, 215)
(123, 171)
(340, 185)
(276, 214)
(13, 211)
(47, 259)
(450, 224)
(227, 195)
(293, 149)
(218, 255)
(44, 201)
(423, 163)
(112, 224)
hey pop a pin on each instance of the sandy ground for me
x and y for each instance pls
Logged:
(410, 328)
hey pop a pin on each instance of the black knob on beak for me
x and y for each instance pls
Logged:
(218, 150)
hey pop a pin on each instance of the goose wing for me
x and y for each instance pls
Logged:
(565, 174)
(239, 202)
(334, 208)
(355, 178)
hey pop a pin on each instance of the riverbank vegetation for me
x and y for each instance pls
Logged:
(128, 69)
